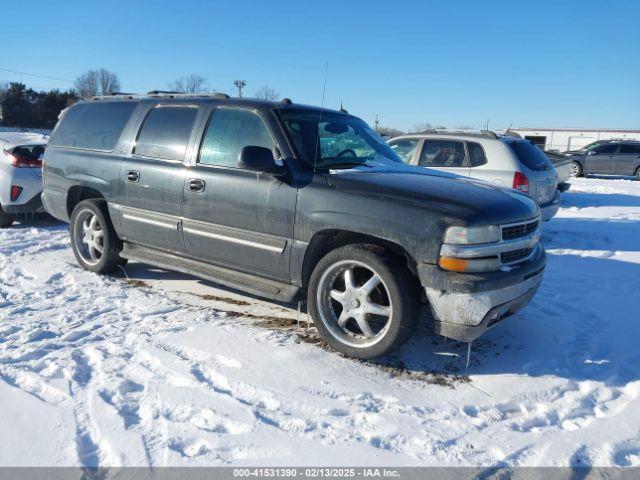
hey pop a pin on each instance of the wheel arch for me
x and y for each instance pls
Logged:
(78, 193)
(325, 241)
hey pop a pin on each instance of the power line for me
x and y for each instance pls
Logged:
(36, 75)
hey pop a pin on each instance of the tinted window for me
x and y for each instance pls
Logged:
(96, 126)
(530, 155)
(405, 148)
(476, 154)
(229, 131)
(608, 148)
(630, 148)
(165, 132)
(442, 153)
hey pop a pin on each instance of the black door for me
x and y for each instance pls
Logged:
(600, 159)
(153, 177)
(627, 160)
(234, 217)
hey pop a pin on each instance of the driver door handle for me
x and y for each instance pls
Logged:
(195, 185)
(133, 176)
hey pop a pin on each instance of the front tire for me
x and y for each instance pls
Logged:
(93, 239)
(6, 220)
(576, 169)
(363, 302)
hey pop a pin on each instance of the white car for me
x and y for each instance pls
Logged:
(502, 160)
(20, 175)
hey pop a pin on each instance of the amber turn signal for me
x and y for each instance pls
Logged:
(453, 264)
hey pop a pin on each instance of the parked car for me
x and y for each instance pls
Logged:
(588, 147)
(20, 175)
(563, 166)
(289, 202)
(501, 160)
(616, 157)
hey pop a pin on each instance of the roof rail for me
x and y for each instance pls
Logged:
(467, 133)
(160, 93)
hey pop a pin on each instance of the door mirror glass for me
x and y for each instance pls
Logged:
(259, 159)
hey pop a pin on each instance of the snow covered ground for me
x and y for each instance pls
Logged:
(164, 369)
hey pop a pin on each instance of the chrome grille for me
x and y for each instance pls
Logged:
(515, 255)
(510, 232)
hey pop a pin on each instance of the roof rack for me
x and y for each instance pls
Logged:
(466, 133)
(161, 94)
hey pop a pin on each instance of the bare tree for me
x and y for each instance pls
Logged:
(190, 84)
(389, 132)
(97, 82)
(267, 93)
(421, 127)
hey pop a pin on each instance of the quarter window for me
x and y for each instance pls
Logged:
(92, 125)
(477, 156)
(405, 149)
(630, 148)
(228, 132)
(165, 132)
(442, 153)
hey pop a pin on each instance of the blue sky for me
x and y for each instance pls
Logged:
(458, 63)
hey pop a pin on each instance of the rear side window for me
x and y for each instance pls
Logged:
(405, 148)
(229, 131)
(165, 132)
(442, 153)
(530, 155)
(630, 148)
(95, 126)
(477, 156)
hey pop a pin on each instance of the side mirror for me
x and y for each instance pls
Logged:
(591, 152)
(259, 159)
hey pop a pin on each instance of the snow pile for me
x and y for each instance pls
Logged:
(164, 369)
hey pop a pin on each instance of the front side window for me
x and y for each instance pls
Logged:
(442, 153)
(165, 132)
(92, 125)
(405, 148)
(630, 148)
(605, 149)
(228, 132)
(477, 156)
(328, 140)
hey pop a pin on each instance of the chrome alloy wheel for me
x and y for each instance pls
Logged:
(89, 237)
(354, 303)
(575, 169)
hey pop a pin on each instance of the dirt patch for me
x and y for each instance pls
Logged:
(217, 298)
(399, 370)
(138, 283)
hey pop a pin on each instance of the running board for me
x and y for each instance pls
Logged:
(262, 287)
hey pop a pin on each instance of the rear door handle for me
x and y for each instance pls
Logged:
(195, 185)
(133, 176)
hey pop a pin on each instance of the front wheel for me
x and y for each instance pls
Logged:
(364, 303)
(576, 169)
(93, 239)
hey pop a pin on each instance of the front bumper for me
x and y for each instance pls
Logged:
(465, 308)
(32, 206)
(549, 210)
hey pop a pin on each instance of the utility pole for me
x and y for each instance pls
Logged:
(240, 84)
(376, 122)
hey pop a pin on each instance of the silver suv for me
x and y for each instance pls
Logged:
(501, 160)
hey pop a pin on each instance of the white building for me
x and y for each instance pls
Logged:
(562, 139)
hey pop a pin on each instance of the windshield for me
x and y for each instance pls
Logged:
(328, 140)
(592, 145)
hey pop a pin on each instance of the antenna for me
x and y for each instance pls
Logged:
(324, 88)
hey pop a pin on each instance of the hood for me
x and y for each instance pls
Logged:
(470, 201)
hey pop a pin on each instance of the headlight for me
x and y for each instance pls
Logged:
(472, 235)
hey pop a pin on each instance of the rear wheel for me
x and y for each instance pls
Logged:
(576, 169)
(6, 220)
(364, 303)
(638, 173)
(93, 239)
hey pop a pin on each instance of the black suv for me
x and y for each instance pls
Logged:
(279, 199)
(615, 157)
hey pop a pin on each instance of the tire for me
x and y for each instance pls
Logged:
(638, 173)
(91, 231)
(343, 316)
(6, 220)
(576, 169)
